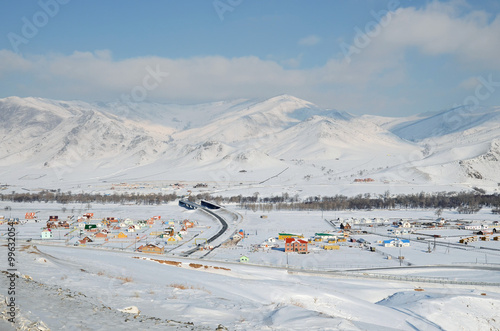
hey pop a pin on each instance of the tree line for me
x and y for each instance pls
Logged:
(463, 202)
(87, 198)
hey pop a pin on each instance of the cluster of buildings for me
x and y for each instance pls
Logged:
(153, 231)
(296, 243)
(364, 180)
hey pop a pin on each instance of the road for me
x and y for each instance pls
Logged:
(224, 228)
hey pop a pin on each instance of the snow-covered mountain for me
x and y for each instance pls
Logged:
(50, 143)
(45, 132)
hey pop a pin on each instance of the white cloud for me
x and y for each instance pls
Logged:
(309, 40)
(11, 62)
(440, 28)
(470, 40)
(293, 62)
(91, 75)
(469, 83)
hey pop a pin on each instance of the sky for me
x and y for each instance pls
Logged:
(390, 57)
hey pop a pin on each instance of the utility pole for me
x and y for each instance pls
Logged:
(400, 256)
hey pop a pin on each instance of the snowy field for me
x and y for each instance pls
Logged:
(449, 287)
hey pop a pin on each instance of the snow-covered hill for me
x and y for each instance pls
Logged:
(49, 143)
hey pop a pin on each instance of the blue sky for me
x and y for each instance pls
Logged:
(392, 58)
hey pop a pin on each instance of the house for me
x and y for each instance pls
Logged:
(406, 224)
(131, 228)
(188, 224)
(467, 240)
(237, 236)
(171, 240)
(47, 234)
(296, 245)
(168, 231)
(152, 220)
(101, 235)
(51, 225)
(151, 249)
(475, 227)
(90, 226)
(121, 235)
(283, 236)
(345, 226)
(396, 243)
(331, 247)
(85, 240)
(243, 258)
(320, 236)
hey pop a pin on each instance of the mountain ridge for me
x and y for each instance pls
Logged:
(244, 139)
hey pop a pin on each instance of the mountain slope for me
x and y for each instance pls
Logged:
(49, 132)
(444, 123)
(286, 139)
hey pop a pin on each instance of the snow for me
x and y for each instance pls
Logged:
(73, 145)
(249, 147)
(372, 292)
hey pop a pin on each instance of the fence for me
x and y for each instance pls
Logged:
(415, 279)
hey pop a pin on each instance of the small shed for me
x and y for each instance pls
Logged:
(47, 234)
(244, 258)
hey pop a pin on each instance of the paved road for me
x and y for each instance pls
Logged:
(208, 211)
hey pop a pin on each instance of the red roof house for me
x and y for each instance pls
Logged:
(295, 245)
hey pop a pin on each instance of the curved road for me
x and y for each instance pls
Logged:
(193, 205)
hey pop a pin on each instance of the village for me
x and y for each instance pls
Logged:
(257, 238)
(145, 255)
(152, 235)
(355, 236)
